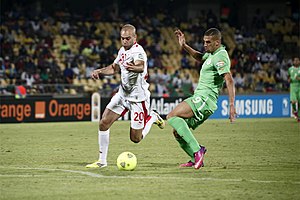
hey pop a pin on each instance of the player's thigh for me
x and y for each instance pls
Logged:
(294, 93)
(108, 118)
(118, 104)
(293, 96)
(113, 110)
(201, 109)
(139, 113)
(181, 110)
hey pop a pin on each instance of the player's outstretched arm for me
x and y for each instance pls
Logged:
(181, 40)
(109, 70)
(231, 95)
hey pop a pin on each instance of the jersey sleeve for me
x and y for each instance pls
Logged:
(138, 54)
(222, 63)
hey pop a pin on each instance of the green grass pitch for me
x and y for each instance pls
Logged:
(250, 159)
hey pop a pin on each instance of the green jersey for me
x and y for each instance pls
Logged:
(211, 80)
(294, 73)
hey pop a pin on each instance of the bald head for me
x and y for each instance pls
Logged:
(129, 27)
(128, 36)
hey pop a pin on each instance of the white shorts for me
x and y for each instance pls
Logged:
(139, 111)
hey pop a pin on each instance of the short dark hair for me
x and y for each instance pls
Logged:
(213, 32)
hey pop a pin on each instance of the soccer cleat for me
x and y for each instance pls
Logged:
(159, 121)
(96, 164)
(188, 164)
(199, 156)
(295, 115)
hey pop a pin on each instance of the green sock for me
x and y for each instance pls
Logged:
(184, 131)
(186, 148)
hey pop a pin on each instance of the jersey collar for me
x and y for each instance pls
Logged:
(219, 49)
(134, 44)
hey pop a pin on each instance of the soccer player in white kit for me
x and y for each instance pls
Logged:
(133, 94)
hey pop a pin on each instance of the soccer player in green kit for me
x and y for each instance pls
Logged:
(294, 79)
(193, 111)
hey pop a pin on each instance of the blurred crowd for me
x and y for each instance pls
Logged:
(56, 52)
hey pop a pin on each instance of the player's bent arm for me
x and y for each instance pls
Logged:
(109, 70)
(231, 94)
(137, 66)
(195, 54)
(181, 40)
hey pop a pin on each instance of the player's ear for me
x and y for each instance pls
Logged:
(218, 42)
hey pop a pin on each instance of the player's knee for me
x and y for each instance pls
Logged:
(169, 115)
(136, 136)
(135, 139)
(103, 125)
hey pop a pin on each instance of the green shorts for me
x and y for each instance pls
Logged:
(202, 107)
(294, 93)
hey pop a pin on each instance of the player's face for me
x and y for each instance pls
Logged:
(210, 43)
(128, 38)
(296, 62)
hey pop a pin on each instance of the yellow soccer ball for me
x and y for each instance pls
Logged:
(126, 161)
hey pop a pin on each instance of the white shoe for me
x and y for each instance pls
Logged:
(159, 121)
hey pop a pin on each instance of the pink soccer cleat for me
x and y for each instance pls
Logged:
(199, 156)
(188, 164)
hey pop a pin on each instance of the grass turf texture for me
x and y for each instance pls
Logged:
(250, 159)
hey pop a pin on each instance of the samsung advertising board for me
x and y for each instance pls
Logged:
(255, 106)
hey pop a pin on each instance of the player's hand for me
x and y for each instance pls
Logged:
(180, 36)
(232, 114)
(134, 67)
(129, 66)
(95, 74)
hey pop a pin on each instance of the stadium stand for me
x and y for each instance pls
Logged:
(54, 53)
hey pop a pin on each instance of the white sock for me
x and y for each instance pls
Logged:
(103, 139)
(148, 125)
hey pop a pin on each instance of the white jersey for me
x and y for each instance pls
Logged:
(134, 86)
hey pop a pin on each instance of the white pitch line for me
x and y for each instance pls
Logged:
(94, 175)
(21, 176)
(35, 176)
